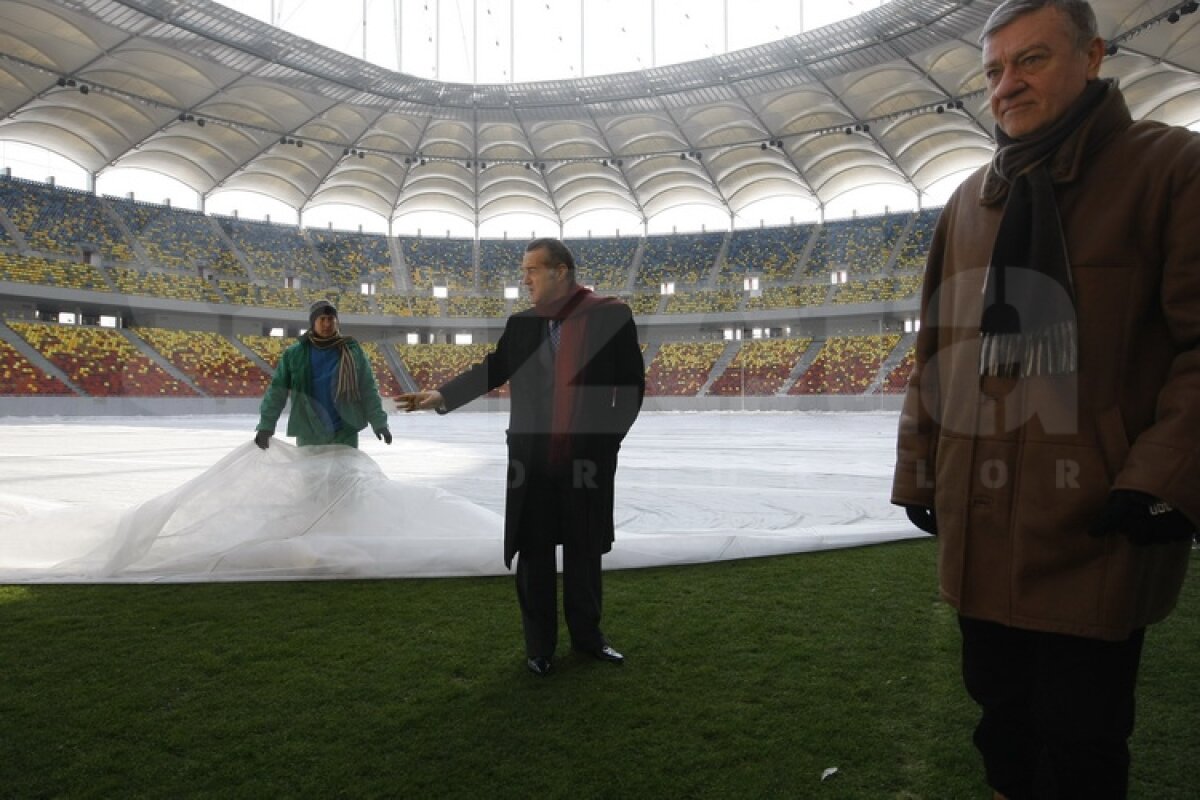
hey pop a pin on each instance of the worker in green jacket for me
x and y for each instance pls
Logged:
(333, 389)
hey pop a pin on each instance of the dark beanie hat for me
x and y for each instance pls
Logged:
(318, 308)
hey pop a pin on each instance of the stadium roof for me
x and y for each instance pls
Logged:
(217, 100)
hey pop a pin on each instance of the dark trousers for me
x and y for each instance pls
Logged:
(544, 524)
(1057, 710)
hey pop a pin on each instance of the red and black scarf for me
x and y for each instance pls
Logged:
(574, 311)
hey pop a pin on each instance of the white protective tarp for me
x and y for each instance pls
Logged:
(82, 502)
(286, 512)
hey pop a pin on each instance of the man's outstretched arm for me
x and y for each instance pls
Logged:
(421, 401)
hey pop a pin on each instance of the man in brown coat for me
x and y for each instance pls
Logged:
(1051, 427)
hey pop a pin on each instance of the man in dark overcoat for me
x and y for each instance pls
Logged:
(576, 375)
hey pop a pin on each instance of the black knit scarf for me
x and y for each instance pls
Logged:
(347, 384)
(1029, 328)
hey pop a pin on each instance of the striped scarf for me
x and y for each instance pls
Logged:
(347, 383)
(1029, 319)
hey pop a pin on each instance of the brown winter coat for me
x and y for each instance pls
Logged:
(1017, 470)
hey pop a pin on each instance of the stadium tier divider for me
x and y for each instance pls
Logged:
(894, 373)
(210, 361)
(846, 365)
(681, 368)
(9, 233)
(732, 349)
(161, 360)
(24, 371)
(101, 361)
(407, 383)
(759, 368)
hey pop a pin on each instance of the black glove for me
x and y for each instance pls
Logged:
(262, 439)
(923, 518)
(1143, 518)
(385, 434)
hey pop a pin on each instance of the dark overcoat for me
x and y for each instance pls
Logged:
(606, 382)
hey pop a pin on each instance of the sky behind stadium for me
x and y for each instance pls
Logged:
(511, 41)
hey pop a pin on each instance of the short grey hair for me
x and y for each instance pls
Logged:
(559, 253)
(1079, 15)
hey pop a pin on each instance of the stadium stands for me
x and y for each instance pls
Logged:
(705, 301)
(431, 365)
(471, 306)
(440, 262)
(868, 291)
(603, 263)
(877, 290)
(253, 294)
(178, 239)
(385, 380)
(393, 305)
(411, 306)
(846, 365)
(209, 361)
(916, 246)
(499, 265)
(909, 285)
(425, 306)
(64, 274)
(268, 348)
(172, 285)
(681, 368)
(683, 258)
(157, 251)
(351, 259)
(644, 303)
(100, 361)
(20, 378)
(860, 246)
(772, 254)
(63, 221)
(789, 297)
(897, 378)
(275, 252)
(760, 368)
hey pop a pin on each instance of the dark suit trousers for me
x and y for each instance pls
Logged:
(1057, 710)
(544, 525)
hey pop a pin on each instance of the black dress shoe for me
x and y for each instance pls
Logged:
(606, 653)
(538, 665)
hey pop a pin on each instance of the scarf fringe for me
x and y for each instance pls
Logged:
(1051, 351)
